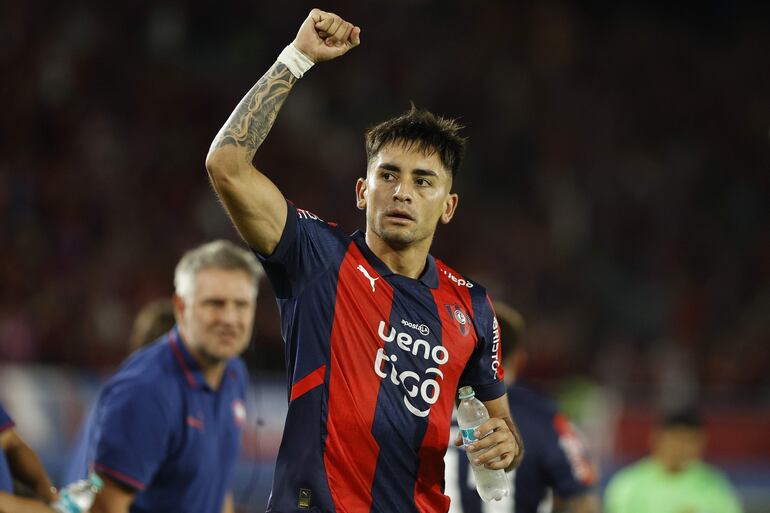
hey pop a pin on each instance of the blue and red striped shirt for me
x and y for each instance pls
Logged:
(374, 361)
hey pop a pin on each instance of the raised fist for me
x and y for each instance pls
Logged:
(324, 36)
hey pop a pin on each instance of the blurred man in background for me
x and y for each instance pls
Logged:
(167, 427)
(378, 333)
(556, 473)
(673, 479)
(154, 320)
(19, 462)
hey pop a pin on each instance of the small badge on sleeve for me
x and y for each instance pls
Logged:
(304, 498)
(239, 413)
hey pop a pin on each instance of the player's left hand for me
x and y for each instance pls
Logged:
(506, 444)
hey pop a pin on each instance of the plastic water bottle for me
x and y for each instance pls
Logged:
(491, 484)
(78, 497)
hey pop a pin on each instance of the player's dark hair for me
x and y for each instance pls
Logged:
(688, 417)
(153, 320)
(423, 130)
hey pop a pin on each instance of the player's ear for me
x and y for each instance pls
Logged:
(450, 206)
(179, 306)
(361, 194)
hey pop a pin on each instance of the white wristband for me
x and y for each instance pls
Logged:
(297, 62)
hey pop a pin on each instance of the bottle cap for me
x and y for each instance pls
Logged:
(466, 393)
(96, 481)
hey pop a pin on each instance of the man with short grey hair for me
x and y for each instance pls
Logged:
(167, 428)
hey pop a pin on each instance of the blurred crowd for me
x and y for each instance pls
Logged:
(615, 188)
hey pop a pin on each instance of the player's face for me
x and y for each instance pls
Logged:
(405, 194)
(217, 321)
(677, 446)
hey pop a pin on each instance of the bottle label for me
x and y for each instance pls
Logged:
(469, 435)
(65, 504)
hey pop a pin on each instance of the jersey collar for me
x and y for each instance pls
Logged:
(429, 276)
(187, 364)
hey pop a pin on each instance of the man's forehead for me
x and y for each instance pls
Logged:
(217, 280)
(410, 155)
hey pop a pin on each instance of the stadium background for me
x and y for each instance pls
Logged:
(615, 191)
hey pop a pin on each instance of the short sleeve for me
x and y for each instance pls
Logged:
(617, 494)
(484, 370)
(307, 247)
(132, 433)
(6, 422)
(722, 496)
(567, 463)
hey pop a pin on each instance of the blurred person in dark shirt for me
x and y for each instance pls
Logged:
(167, 427)
(556, 473)
(154, 319)
(19, 462)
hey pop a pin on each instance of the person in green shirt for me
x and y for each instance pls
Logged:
(673, 479)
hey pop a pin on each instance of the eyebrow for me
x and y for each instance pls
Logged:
(417, 171)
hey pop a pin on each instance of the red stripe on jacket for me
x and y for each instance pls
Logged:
(350, 453)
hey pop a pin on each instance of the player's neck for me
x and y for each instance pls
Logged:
(408, 261)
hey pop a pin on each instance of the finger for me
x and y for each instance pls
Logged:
(321, 19)
(502, 463)
(490, 425)
(316, 15)
(499, 451)
(343, 33)
(334, 23)
(489, 441)
(459, 439)
(355, 36)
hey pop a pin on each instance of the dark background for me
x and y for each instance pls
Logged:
(615, 188)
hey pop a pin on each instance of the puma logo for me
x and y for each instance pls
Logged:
(368, 277)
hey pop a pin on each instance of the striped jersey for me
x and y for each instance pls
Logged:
(374, 361)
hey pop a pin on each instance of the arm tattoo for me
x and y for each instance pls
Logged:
(250, 122)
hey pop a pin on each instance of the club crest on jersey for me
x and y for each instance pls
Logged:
(420, 391)
(459, 317)
(239, 413)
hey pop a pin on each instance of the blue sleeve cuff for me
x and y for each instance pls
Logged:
(488, 391)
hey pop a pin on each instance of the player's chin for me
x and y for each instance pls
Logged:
(228, 348)
(398, 235)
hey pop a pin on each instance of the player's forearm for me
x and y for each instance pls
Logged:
(228, 506)
(251, 121)
(114, 497)
(519, 442)
(12, 504)
(27, 468)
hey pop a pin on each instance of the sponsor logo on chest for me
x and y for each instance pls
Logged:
(400, 360)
